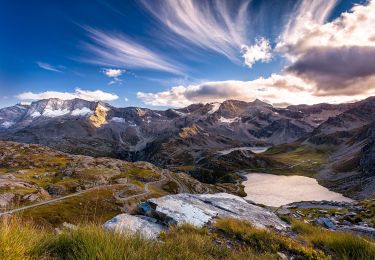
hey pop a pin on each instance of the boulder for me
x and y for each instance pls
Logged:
(6, 199)
(200, 209)
(128, 224)
(326, 222)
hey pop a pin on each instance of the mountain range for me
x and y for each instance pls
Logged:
(209, 140)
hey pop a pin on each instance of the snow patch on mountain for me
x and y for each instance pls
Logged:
(229, 120)
(82, 111)
(7, 124)
(118, 120)
(55, 113)
(179, 113)
(215, 107)
(35, 114)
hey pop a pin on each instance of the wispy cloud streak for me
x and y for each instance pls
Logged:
(210, 25)
(116, 50)
(47, 66)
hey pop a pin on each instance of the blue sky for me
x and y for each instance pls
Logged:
(172, 53)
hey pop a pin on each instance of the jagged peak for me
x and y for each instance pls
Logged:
(258, 102)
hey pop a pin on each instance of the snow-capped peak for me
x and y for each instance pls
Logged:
(214, 107)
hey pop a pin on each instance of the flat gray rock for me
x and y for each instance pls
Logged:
(200, 209)
(128, 224)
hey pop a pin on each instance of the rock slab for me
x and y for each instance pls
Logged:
(128, 224)
(200, 209)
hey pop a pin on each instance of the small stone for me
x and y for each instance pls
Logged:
(350, 214)
(282, 255)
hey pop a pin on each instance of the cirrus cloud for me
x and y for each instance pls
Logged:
(96, 95)
(117, 50)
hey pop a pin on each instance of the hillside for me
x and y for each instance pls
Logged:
(73, 188)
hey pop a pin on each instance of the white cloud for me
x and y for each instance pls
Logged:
(115, 50)
(260, 51)
(47, 66)
(113, 73)
(308, 30)
(337, 56)
(276, 89)
(96, 95)
(208, 25)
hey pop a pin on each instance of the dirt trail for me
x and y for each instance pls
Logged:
(146, 191)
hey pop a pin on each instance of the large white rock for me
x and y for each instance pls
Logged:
(200, 209)
(128, 224)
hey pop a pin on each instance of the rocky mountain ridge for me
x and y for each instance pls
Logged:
(192, 139)
(99, 129)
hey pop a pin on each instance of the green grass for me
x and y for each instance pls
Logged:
(146, 175)
(264, 241)
(339, 245)
(97, 205)
(296, 159)
(228, 239)
(25, 241)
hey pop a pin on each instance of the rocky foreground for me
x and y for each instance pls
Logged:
(198, 210)
(159, 214)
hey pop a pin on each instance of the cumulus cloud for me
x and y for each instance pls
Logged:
(260, 51)
(96, 95)
(338, 70)
(337, 56)
(47, 66)
(116, 50)
(327, 61)
(276, 89)
(113, 73)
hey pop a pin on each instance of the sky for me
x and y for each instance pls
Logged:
(172, 53)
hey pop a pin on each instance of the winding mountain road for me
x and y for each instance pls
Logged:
(146, 191)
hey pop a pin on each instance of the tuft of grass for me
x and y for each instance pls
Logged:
(265, 241)
(339, 245)
(18, 238)
(92, 242)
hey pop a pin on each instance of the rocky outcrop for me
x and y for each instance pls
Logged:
(201, 209)
(198, 210)
(128, 224)
(367, 161)
(99, 118)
